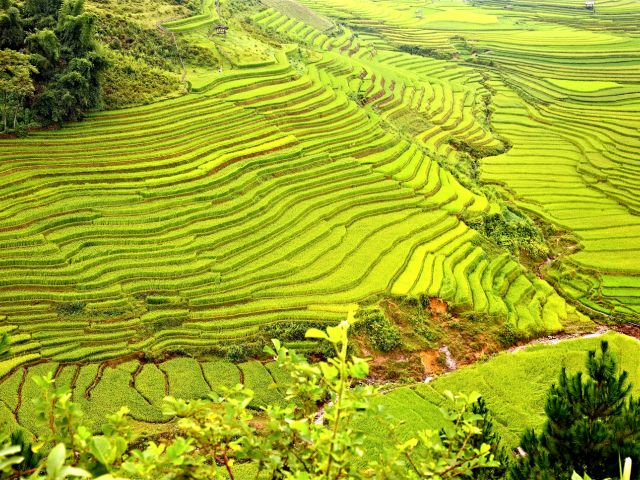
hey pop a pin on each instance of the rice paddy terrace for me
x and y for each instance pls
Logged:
(313, 174)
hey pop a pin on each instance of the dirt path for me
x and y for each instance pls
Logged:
(554, 339)
(629, 329)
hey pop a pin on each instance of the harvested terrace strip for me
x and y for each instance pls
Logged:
(206, 237)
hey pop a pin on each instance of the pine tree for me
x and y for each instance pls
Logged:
(591, 424)
(489, 436)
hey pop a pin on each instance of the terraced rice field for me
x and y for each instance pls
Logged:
(296, 187)
(101, 389)
(565, 93)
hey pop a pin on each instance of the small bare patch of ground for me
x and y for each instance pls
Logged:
(432, 362)
(631, 329)
(438, 306)
(393, 367)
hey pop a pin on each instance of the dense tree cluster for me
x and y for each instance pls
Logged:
(49, 62)
(514, 231)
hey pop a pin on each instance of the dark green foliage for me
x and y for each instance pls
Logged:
(477, 152)
(383, 334)
(16, 84)
(425, 52)
(164, 324)
(509, 335)
(513, 231)
(11, 26)
(291, 332)
(592, 423)
(71, 308)
(58, 38)
(490, 437)
(241, 352)
(45, 51)
(157, 300)
(288, 331)
(30, 458)
(237, 353)
(38, 12)
(71, 92)
(5, 346)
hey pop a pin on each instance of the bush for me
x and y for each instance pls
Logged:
(425, 52)
(241, 352)
(384, 336)
(513, 231)
(237, 354)
(70, 308)
(288, 331)
(508, 335)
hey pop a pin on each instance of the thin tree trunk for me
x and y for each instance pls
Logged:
(15, 116)
(4, 112)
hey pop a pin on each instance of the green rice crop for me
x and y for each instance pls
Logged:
(185, 378)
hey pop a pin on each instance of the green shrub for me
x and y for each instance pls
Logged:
(70, 308)
(509, 335)
(384, 336)
(513, 231)
(288, 331)
(238, 353)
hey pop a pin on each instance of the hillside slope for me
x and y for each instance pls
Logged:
(328, 155)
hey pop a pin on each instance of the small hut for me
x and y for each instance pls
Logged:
(419, 13)
(221, 29)
(590, 5)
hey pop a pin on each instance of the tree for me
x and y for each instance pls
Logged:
(45, 50)
(591, 424)
(55, 61)
(16, 83)
(41, 13)
(75, 29)
(11, 27)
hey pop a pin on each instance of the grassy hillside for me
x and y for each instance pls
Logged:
(146, 61)
(514, 385)
(152, 229)
(318, 159)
